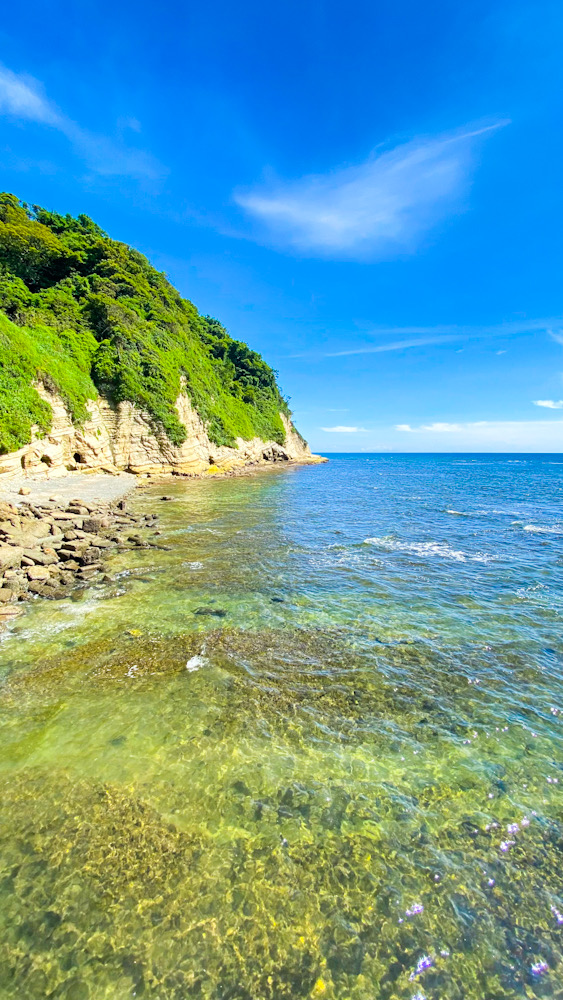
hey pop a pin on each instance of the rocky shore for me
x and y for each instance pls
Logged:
(49, 549)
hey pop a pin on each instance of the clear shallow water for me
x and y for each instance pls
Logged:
(352, 793)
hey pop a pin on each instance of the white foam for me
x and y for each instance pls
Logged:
(439, 549)
(538, 529)
(460, 513)
(197, 661)
(193, 565)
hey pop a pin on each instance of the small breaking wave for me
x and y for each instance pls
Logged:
(424, 549)
(458, 513)
(538, 529)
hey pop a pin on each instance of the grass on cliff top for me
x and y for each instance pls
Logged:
(85, 314)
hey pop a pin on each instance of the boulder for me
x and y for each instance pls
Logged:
(91, 555)
(38, 573)
(10, 556)
(92, 524)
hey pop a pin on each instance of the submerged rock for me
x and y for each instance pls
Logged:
(218, 612)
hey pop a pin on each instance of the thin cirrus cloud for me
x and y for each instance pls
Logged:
(23, 98)
(404, 337)
(549, 404)
(380, 208)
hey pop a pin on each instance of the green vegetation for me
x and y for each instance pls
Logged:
(87, 314)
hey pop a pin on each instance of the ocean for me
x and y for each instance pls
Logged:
(313, 749)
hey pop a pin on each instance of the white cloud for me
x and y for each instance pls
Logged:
(24, 98)
(344, 430)
(550, 404)
(558, 337)
(438, 428)
(382, 207)
(490, 435)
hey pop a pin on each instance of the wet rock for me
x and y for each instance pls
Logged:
(217, 612)
(277, 600)
(24, 491)
(6, 595)
(167, 498)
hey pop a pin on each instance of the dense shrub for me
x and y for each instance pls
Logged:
(83, 312)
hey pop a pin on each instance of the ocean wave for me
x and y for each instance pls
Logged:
(459, 513)
(547, 530)
(439, 549)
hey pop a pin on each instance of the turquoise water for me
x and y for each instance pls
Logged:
(346, 785)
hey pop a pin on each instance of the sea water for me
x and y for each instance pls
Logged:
(345, 783)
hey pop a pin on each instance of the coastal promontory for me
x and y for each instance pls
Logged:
(103, 364)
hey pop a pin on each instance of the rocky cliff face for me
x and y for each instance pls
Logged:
(122, 438)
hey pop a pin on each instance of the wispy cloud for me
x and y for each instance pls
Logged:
(23, 98)
(556, 335)
(344, 430)
(381, 207)
(550, 404)
(422, 336)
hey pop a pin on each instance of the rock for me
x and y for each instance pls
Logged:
(69, 536)
(27, 561)
(75, 546)
(6, 595)
(38, 573)
(92, 524)
(36, 587)
(91, 555)
(277, 600)
(167, 498)
(67, 555)
(39, 557)
(10, 556)
(24, 491)
(218, 612)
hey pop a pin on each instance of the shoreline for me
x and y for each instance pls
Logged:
(56, 532)
(100, 485)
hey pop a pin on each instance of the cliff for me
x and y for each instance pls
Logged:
(122, 437)
(104, 365)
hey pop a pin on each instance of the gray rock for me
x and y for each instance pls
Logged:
(91, 555)
(92, 524)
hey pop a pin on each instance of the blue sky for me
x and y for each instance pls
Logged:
(368, 193)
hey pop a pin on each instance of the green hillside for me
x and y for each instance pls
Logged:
(86, 314)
